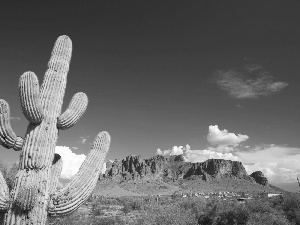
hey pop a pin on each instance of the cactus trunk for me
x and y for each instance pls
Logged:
(34, 195)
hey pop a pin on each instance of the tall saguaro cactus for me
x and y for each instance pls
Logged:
(35, 195)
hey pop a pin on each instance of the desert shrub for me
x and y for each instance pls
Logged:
(276, 201)
(259, 206)
(76, 219)
(208, 215)
(108, 221)
(73, 218)
(176, 196)
(127, 208)
(97, 209)
(108, 201)
(131, 204)
(291, 208)
(167, 214)
(266, 219)
(90, 199)
(136, 205)
(196, 205)
(231, 213)
(218, 212)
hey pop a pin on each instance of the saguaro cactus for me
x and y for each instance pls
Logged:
(35, 195)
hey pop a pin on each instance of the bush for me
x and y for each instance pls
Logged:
(223, 212)
(131, 204)
(127, 208)
(108, 221)
(167, 214)
(98, 209)
(196, 205)
(73, 218)
(266, 219)
(232, 213)
(291, 208)
(259, 206)
(276, 201)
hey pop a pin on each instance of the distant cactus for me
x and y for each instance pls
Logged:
(34, 195)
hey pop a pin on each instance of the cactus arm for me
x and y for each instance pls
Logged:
(4, 194)
(55, 79)
(74, 111)
(82, 184)
(55, 172)
(8, 138)
(29, 93)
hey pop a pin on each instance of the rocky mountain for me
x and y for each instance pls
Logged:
(175, 168)
(259, 178)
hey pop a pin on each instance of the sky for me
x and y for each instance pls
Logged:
(209, 79)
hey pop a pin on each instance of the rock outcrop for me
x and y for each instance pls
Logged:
(259, 178)
(174, 167)
(218, 168)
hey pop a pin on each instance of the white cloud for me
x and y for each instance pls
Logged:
(176, 150)
(223, 137)
(197, 155)
(71, 161)
(202, 155)
(224, 142)
(280, 164)
(163, 153)
(240, 84)
(83, 140)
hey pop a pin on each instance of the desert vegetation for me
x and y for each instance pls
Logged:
(279, 210)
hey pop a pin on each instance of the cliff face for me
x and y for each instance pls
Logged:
(218, 168)
(174, 168)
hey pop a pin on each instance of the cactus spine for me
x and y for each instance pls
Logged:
(34, 195)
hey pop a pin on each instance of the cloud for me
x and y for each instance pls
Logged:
(176, 150)
(71, 161)
(249, 81)
(197, 155)
(280, 164)
(223, 137)
(223, 144)
(84, 139)
(202, 155)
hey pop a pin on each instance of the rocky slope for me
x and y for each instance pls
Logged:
(175, 168)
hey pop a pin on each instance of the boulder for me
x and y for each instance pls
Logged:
(260, 178)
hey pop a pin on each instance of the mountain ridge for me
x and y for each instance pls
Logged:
(174, 167)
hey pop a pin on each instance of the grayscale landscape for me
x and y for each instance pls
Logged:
(150, 112)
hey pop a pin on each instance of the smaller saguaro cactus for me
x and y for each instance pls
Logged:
(34, 195)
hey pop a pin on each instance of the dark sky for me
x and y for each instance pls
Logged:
(159, 73)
